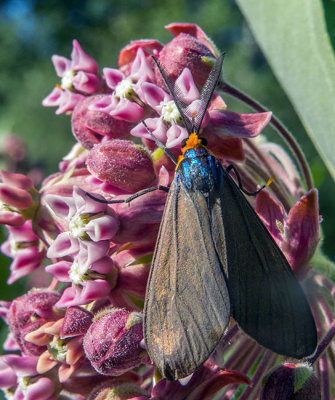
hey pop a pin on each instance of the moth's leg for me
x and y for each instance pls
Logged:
(239, 180)
(130, 198)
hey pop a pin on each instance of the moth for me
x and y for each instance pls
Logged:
(214, 259)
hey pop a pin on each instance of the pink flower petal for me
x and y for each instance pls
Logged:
(10, 218)
(64, 245)
(40, 390)
(141, 70)
(113, 77)
(302, 230)
(175, 135)
(15, 197)
(86, 83)
(238, 125)
(22, 365)
(23, 233)
(60, 270)
(53, 98)
(156, 126)
(105, 103)
(25, 262)
(18, 180)
(90, 252)
(84, 204)
(102, 228)
(76, 296)
(67, 101)
(7, 375)
(69, 298)
(154, 95)
(81, 61)
(63, 207)
(127, 110)
(61, 64)
(228, 148)
(104, 265)
(10, 343)
(93, 290)
(270, 210)
(187, 87)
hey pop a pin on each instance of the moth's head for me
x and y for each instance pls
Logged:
(193, 142)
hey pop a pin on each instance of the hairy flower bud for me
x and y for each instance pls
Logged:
(122, 164)
(185, 51)
(112, 343)
(291, 382)
(76, 322)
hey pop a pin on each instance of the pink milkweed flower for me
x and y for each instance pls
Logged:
(89, 226)
(125, 102)
(79, 79)
(67, 354)
(23, 247)
(19, 379)
(165, 127)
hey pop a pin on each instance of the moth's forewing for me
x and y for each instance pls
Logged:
(266, 299)
(187, 305)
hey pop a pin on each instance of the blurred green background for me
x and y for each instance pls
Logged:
(32, 30)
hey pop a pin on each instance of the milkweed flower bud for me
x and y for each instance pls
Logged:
(113, 342)
(122, 164)
(76, 322)
(291, 382)
(185, 51)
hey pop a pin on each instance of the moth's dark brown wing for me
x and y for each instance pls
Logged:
(266, 299)
(187, 304)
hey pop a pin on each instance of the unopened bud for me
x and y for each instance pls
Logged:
(291, 382)
(122, 164)
(113, 342)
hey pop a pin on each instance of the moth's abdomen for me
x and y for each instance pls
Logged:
(198, 171)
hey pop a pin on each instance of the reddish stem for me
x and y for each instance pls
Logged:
(286, 135)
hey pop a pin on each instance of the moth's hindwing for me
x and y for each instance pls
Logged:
(266, 299)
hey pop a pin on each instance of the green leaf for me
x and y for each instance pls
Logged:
(293, 36)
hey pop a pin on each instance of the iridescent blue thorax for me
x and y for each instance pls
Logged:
(198, 170)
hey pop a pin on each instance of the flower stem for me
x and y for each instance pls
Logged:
(266, 360)
(286, 135)
(323, 344)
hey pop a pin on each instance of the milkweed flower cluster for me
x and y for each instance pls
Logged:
(81, 337)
